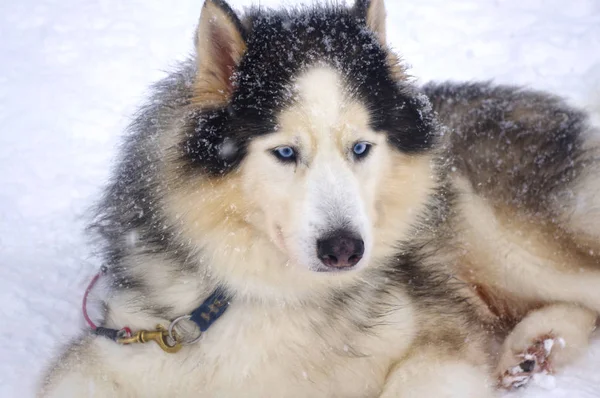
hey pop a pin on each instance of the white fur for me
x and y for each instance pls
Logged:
(426, 374)
(258, 350)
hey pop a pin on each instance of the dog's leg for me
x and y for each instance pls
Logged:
(545, 340)
(513, 255)
(428, 373)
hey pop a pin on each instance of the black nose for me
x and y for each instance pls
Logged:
(340, 250)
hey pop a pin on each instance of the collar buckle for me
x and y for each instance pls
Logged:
(163, 337)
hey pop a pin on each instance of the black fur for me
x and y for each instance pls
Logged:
(280, 45)
(361, 9)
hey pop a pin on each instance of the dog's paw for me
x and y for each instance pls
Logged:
(535, 360)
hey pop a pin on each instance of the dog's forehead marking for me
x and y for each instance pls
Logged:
(324, 114)
(320, 95)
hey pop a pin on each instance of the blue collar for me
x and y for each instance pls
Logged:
(204, 316)
(211, 309)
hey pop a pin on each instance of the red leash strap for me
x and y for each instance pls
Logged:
(85, 296)
(110, 333)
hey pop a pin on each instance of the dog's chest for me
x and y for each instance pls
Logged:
(255, 353)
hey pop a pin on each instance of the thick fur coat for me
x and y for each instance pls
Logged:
(374, 238)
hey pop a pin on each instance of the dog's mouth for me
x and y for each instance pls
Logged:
(332, 270)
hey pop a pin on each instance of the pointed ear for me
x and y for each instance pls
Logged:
(220, 45)
(373, 12)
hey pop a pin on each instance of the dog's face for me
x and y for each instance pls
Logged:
(314, 180)
(304, 142)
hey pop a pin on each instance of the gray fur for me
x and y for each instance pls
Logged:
(517, 147)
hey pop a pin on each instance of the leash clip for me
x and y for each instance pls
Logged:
(160, 336)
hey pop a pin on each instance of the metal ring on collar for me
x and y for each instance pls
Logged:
(174, 323)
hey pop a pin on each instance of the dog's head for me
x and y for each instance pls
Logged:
(305, 143)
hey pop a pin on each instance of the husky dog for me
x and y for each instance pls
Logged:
(363, 248)
(286, 164)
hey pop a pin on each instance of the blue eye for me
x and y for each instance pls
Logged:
(285, 154)
(361, 149)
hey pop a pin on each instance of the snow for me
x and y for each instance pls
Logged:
(72, 73)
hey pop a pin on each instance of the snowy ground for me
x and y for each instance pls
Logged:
(73, 71)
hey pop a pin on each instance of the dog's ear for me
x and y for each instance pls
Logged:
(220, 45)
(373, 13)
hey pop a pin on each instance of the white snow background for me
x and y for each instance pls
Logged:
(73, 71)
